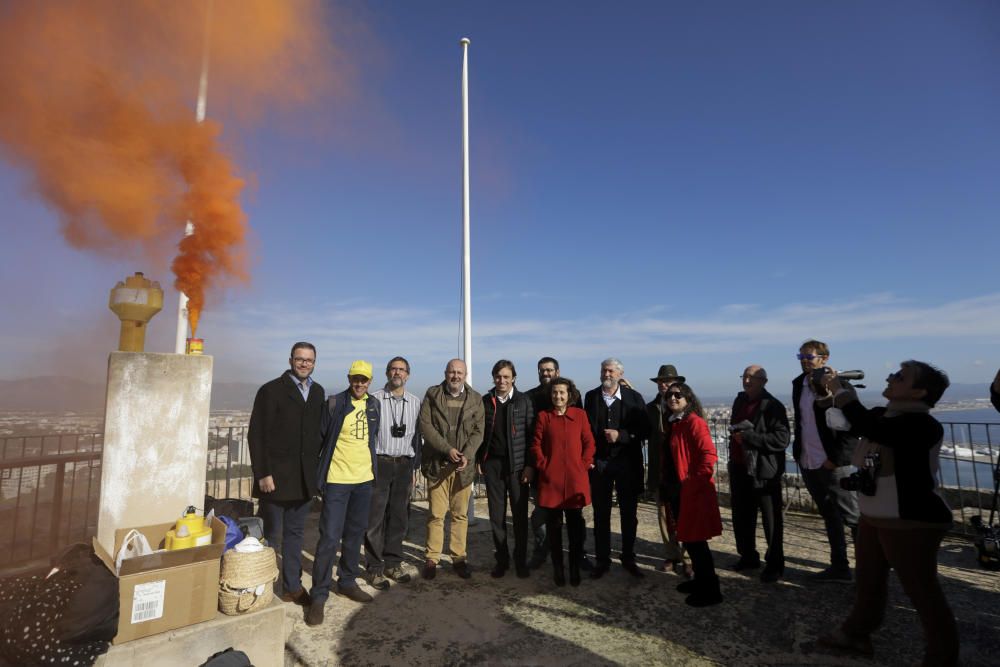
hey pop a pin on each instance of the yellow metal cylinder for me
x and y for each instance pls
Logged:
(135, 301)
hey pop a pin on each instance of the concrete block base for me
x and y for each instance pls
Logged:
(261, 635)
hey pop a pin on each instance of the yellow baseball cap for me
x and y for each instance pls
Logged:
(360, 367)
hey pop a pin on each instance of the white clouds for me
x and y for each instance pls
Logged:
(247, 340)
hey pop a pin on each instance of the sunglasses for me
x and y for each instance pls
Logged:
(895, 377)
(808, 357)
(674, 394)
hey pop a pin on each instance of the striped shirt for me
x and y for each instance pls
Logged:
(400, 411)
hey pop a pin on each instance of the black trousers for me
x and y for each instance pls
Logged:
(575, 528)
(746, 500)
(389, 514)
(625, 478)
(503, 484)
(285, 525)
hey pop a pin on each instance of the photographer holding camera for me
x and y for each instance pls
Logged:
(823, 455)
(903, 518)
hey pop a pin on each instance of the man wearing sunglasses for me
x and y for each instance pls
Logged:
(824, 457)
(284, 442)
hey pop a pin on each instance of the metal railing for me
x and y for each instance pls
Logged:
(50, 484)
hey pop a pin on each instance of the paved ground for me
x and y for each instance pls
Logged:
(620, 620)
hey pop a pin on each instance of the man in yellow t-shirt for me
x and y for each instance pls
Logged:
(346, 479)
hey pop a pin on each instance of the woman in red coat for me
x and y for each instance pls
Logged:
(563, 450)
(696, 506)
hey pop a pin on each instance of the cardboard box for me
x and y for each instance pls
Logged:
(167, 590)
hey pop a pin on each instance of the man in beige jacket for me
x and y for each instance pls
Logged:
(451, 423)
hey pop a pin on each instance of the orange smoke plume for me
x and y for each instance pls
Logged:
(97, 107)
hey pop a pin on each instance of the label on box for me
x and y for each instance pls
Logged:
(147, 601)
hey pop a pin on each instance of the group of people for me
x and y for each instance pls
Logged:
(359, 451)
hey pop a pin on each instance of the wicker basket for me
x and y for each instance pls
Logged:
(245, 584)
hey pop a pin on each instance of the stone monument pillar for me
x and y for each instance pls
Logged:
(155, 440)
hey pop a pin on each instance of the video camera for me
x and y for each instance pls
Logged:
(819, 373)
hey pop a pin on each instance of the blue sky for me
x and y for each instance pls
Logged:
(703, 184)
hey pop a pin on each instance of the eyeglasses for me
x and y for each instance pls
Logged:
(396, 369)
(674, 394)
(808, 357)
(302, 361)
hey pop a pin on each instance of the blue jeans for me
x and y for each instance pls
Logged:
(285, 524)
(342, 523)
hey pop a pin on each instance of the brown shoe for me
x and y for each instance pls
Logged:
(430, 569)
(299, 597)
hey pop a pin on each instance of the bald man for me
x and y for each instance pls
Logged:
(451, 423)
(758, 439)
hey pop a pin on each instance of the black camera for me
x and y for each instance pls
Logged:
(398, 430)
(865, 480)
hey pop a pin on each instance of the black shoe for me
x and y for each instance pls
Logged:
(538, 559)
(315, 614)
(559, 576)
(597, 571)
(522, 571)
(586, 565)
(770, 576)
(461, 568)
(746, 564)
(498, 571)
(840, 640)
(632, 569)
(703, 598)
(686, 586)
(834, 574)
(353, 593)
(430, 570)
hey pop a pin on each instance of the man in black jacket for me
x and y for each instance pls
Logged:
(617, 417)
(284, 441)
(757, 444)
(505, 462)
(824, 458)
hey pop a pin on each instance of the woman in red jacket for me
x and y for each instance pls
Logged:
(696, 506)
(563, 450)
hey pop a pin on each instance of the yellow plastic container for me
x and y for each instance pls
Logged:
(190, 530)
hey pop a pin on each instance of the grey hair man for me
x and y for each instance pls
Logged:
(757, 443)
(618, 421)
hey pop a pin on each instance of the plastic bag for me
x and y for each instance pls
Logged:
(135, 544)
(836, 421)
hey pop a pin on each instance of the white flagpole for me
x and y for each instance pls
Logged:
(180, 343)
(466, 263)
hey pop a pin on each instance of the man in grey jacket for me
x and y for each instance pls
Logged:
(451, 423)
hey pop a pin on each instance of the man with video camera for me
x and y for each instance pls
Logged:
(903, 517)
(823, 455)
